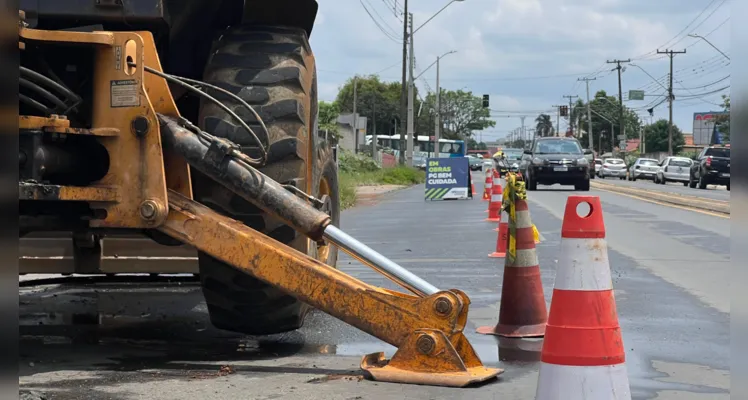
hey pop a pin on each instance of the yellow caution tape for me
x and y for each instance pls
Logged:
(514, 190)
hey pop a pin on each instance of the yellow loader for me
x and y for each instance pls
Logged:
(192, 126)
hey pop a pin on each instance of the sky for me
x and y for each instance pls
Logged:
(528, 54)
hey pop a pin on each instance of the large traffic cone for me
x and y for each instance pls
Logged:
(583, 355)
(522, 312)
(487, 187)
(494, 206)
(501, 241)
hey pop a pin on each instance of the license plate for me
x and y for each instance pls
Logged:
(561, 169)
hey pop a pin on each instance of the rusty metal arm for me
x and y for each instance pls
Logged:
(427, 331)
(426, 328)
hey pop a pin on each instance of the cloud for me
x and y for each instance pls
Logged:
(501, 42)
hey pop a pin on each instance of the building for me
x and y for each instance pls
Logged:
(345, 130)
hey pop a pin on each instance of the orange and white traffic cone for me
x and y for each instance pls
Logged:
(522, 311)
(495, 185)
(501, 241)
(583, 355)
(494, 206)
(487, 187)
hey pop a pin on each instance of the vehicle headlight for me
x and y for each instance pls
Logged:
(538, 161)
(583, 162)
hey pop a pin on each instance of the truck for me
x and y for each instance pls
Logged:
(186, 132)
(711, 167)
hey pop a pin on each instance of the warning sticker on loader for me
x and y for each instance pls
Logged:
(124, 93)
(447, 178)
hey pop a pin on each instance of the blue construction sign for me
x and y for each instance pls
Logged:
(448, 178)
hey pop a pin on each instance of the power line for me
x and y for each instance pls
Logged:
(703, 86)
(384, 31)
(667, 44)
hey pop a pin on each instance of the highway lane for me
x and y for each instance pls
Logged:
(670, 276)
(711, 192)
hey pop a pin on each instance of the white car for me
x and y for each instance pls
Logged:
(644, 168)
(613, 167)
(674, 169)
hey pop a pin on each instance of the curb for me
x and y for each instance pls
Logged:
(699, 203)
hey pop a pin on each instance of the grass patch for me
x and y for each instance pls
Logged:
(360, 170)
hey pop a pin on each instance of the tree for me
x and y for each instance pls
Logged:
(462, 113)
(544, 125)
(656, 137)
(723, 121)
(328, 117)
(608, 107)
(376, 100)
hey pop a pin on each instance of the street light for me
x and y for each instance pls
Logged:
(437, 127)
(411, 85)
(693, 35)
(650, 75)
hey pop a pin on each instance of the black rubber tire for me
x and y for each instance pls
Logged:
(691, 182)
(532, 185)
(272, 69)
(663, 181)
(583, 186)
(702, 182)
(728, 187)
(685, 184)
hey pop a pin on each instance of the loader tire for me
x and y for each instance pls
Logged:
(272, 69)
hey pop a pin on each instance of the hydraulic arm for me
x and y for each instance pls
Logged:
(427, 328)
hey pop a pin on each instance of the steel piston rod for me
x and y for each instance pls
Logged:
(382, 264)
(214, 160)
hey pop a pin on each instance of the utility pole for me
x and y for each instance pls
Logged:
(374, 130)
(522, 132)
(558, 118)
(589, 113)
(620, 99)
(404, 88)
(438, 112)
(355, 116)
(671, 54)
(411, 100)
(571, 119)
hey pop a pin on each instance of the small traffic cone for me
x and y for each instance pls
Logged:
(487, 188)
(495, 185)
(583, 355)
(494, 206)
(522, 311)
(501, 241)
(472, 186)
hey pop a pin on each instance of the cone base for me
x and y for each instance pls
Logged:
(563, 382)
(514, 331)
(497, 255)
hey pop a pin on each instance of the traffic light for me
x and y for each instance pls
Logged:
(564, 110)
(651, 111)
(485, 101)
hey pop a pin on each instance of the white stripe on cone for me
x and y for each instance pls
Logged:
(523, 219)
(583, 265)
(496, 198)
(564, 382)
(526, 258)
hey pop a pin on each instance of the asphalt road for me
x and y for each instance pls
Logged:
(670, 269)
(711, 192)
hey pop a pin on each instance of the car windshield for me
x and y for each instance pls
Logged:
(558, 147)
(718, 152)
(680, 163)
(650, 163)
(614, 161)
(513, 154)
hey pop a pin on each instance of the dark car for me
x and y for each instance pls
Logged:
(712, 167)
(475, 162)
(556, 160)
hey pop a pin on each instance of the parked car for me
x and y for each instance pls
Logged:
(674, 169)
(556, 160)
(598, 166)
(613, 167)
(644, 168)
(712, 167)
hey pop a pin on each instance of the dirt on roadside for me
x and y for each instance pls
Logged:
(368, 195)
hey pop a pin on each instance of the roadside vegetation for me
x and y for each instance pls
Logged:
(360, 170)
